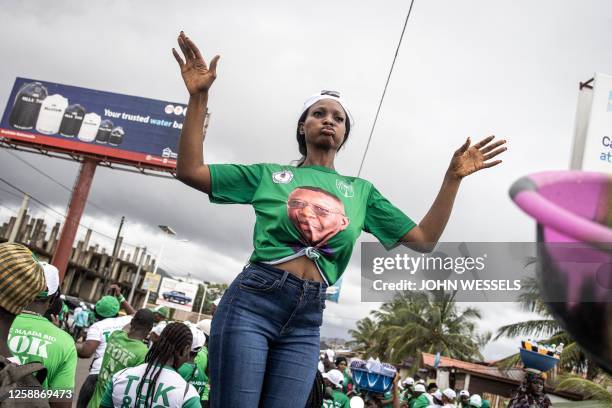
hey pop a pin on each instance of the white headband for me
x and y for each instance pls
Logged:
(333, 95)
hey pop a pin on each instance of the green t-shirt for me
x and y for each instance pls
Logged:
(339, 400)
(308, 210)
(195, 373)
(63, 312)
(121, 352)
(348, 379)
(34, 338)
(420, 402)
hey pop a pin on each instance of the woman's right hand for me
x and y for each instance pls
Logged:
(197, 76)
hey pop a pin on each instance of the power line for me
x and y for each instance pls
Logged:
(10, 193)
(60, 214)
(385, 89)
(65, 187)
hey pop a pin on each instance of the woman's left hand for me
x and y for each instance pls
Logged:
(469, 159)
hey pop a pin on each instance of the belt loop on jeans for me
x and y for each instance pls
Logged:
(283, 279)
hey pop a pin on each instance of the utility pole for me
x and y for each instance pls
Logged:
(135, 282)
(20, 217)
(203, 299)
(108, 273)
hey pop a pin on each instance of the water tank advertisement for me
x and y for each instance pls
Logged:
(119, 128)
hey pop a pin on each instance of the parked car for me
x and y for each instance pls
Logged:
(176, 297)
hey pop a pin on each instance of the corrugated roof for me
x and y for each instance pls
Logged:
(513, 375)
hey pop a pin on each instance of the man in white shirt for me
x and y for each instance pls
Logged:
(106, 310)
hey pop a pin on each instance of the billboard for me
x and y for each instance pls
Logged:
(151, 282)
(118, 128)
(593, 140)
(176, 294)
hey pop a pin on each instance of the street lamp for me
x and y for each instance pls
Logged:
(167, 232)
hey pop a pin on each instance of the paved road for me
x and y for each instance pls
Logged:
(81, 374)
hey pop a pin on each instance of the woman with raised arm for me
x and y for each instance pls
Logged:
(264, 342)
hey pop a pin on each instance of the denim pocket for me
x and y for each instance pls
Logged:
(322, 305)
(256, 282)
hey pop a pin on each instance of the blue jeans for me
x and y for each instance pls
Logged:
(264, 340)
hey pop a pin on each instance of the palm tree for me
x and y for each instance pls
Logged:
(431, 323)
(420, 322)
(547, 329)
(591, 390)
(364, 337)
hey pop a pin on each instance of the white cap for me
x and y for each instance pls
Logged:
(438, 394)
(419, 387)
(450, 394)
(216, 301)
(475, 400)
(159, 327)
(198, 338)
(327, 95)
(408, 381)
(464, 393)
(330, 354)
(335, 377)
(204, 325)
(52, 277)
(421, 381)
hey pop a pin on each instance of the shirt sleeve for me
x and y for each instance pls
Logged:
(94, 333)
(64, 377)
(193, 402)
(107, 397)
(234, 183)
(192, 398)
(385, 221)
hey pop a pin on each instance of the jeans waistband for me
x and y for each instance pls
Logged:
(290, 278)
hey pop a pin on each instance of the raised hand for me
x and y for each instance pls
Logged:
(469, 159)
(197, 75)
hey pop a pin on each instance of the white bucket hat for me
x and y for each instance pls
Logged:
(335, 377)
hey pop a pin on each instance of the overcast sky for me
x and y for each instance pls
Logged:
(465, 68)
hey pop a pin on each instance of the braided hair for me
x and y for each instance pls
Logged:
(315, 399)
(173, 339)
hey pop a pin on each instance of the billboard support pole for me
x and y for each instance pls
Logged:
(78, 200)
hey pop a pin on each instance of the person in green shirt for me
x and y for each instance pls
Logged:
(123, 350)
(419, 399)
(194, 370)
(335, 398)
(33, 338)
(156, 383)
(342, 366)
(63, 316)
(308, 218)
(406, 394)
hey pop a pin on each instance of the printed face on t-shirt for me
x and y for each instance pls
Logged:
(317, 214)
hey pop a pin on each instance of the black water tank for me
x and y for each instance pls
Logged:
(27, 105)
(116, 136)
(104, 132)
(72, 120)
